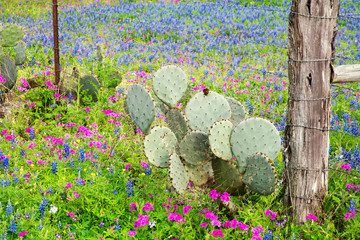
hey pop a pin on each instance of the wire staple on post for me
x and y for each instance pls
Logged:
(305, 198)
(316, 99)
(311, 60)
(311, 16)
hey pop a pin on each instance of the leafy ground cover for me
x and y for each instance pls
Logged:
(71, 171)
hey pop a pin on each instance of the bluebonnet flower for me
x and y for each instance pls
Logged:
(16, 180)
(53, 105)
(148, 171)
(43, 204)
(13, 225)
(267, 235)
(59, 225)
(352, 207)
(50, 190)
(129, 189)
(9, 209)
(71, 163)
(114, 192)
(54, 167)
(22, 153)
(81, 155)
(66, 150)
(40, 227)
(32, 134)
(70, 98)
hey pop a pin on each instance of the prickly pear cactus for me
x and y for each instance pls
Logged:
(200, 174)
(89, 86)
(141, 107)
(254, 135)
(238, 113)
(194, 148)
(10, 35)
(113, 79)
(170, 84)
(204, 109)
(227, 177)
(2, 97)
(99, 53)
(70, 80)
(9, 72)
(219, 139)
(178, 175)
(20, 57)
(177, 123)
(260, 175)
(161, 106)
(158, 146)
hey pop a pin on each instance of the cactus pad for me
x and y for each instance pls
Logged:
(259, 175)
(20, 53)
(158, 146)
(178, 175)
(177, 123)
(238, 113)
(89, 86)
(201, 174)
(2, 97)
(227, 177)
(219, 139)
(10, 34)
(113, 79)
(8, 71)
(141, 107)
(170, 84)
(202, 111)
(254, 135)
(194, 148)
(70, 80)
(99, 53)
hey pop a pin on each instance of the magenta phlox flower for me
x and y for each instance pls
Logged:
(346, 166)
(243, 226)
(203, 224)
(127, 167)
(133, 207)
(210, 215)
(167, 205)
(213, 194)
(217, 233)
(143, 164)
(141, 221)
(175, 217)
(348, 215)
(225, 197)
(71, 214)
(350, 186)
(216, 223)
(272, 214)
(68, 185)
(132, 233)
(186, 209)
(311, 217)
(147, 207)
(256, 232)
(22, 233)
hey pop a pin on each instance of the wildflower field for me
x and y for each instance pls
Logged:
(71, 168)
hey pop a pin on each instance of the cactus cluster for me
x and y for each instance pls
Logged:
(11, 36)
(212, 142)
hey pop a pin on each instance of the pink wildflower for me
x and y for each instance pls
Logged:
(217, 233)
(311, 217)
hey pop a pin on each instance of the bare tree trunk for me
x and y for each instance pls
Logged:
(312, 31)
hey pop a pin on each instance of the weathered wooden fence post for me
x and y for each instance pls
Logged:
(56, 42)
(312, 32)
